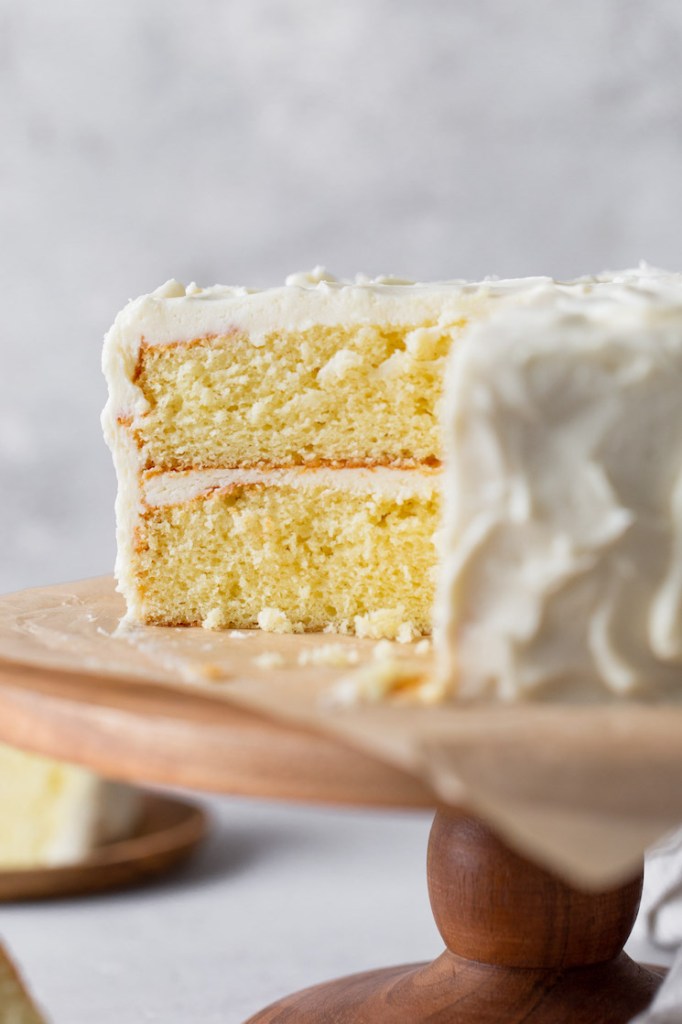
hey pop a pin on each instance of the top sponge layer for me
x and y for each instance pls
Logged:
(315, 371)
(330, 394)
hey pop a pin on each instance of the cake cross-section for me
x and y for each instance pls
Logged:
(278, 452)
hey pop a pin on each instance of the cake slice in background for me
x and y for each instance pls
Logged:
(53, 813)
(278, 452)
(562, 568)
(16, 1005)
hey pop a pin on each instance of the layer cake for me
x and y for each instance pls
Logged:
(278, 452)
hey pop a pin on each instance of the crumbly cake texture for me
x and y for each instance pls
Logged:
(16, 1004)
(227, 401)
(562, 571)
(53, 813)
(315, 551)
(278, 452)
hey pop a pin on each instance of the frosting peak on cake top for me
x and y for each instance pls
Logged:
(173, 311)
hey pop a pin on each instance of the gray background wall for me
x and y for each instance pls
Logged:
(230, 141)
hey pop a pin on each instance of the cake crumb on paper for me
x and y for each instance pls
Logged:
(388, 623)
(270, 659)
(214, 619)
(274, 620)
(406, 633)
(210, 671)
(389, 679)
(382, 650)
(330, 655)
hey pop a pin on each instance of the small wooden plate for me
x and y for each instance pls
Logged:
(169, 831)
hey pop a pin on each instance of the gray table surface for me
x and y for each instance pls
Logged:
(279, 898)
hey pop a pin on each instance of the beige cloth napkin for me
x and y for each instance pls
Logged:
(662, 905)
(667, 1006)
(662, 917)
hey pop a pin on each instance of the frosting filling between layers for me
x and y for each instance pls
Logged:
(159, 489)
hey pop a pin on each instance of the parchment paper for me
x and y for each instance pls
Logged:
(581, 789)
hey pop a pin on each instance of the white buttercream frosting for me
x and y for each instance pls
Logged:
(175, 313)
(563, 495)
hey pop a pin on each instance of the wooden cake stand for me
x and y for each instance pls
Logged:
(520, 944)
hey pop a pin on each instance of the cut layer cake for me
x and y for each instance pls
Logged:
(278, 452)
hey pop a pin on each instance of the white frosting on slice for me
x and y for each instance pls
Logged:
(169, 488)
(563, 496)
(174, 313)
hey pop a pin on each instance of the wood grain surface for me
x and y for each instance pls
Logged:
(152, 732)
(522, 948)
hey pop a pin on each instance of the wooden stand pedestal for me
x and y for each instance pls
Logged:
(521, 947)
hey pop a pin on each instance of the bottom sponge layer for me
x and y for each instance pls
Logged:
(285, 558)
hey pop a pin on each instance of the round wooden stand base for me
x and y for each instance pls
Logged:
(453, 990)
(521, 947)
